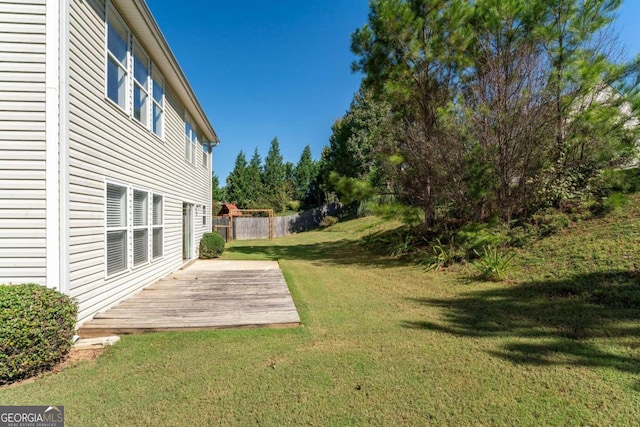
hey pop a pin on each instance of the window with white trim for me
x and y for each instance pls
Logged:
(141, 80)
(117, 59)
(205, 155)
(190, 141)
(157, 107)
(134, 227)
(133, 81)
(117, 229)
(158, 225)
(204, 215)
(140, 227)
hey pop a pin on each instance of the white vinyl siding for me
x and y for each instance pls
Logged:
(107, 145)
(22, 142)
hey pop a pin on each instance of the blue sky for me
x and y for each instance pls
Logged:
(280, 67)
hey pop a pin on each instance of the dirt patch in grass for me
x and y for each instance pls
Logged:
(74, 357)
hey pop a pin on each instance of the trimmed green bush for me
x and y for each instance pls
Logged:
(36, 330)
(211, 245)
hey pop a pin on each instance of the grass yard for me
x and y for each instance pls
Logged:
(383, 343)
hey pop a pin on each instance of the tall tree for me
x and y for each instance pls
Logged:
(273, 177)
(502, 104)
(254, 176)
(304, 172)
(238, 184)
(410, 53)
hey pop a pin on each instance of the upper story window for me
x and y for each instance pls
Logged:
(131, 71)
(190, 140)
(117, 59)
(157, 109)
(141, 85)
(205, 156)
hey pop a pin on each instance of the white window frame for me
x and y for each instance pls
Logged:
(205, 155)
(131, 227)
(134, 48)
(144, 227)
(112, 14)
(190, 140)
(122, 228)
(156, 77)
(138, 53)
(159, 226)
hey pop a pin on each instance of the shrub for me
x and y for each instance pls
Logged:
(550, 221)
(443, 255)
(492, 264)
(293, 205)
(328, 221)
(618, 181)
(211, 245)
(36, 330)
(474, 237)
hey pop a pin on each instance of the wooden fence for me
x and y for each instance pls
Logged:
(248, 228)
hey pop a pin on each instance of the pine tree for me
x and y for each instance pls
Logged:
(254, 177)
(305, 171)
(238, 185)
(273, 178)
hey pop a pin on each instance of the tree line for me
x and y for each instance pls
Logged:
(274, 184)
(487, 109)
(468, 111)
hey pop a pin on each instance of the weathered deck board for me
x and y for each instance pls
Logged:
(206, 295)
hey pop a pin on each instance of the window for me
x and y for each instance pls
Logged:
(132, 75)
(158, 226)
(157, 120)
(205, 155)
(140, 227)
(135, 241)
(204, 215)
(117, 59)
(190, 141)
(117, 232)
(141, 80)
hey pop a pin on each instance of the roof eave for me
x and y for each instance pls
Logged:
(146, 29)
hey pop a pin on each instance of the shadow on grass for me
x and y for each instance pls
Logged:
(567, 320)
(342, 252)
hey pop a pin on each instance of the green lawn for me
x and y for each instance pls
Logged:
(383, 343)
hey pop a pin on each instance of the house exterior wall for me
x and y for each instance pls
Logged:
(22, 142)
(107, 145)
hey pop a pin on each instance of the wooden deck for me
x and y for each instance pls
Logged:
(209, 294)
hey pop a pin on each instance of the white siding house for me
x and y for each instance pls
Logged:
(105, 151)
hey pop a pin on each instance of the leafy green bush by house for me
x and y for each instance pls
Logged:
(36, 330)
(211, 245)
